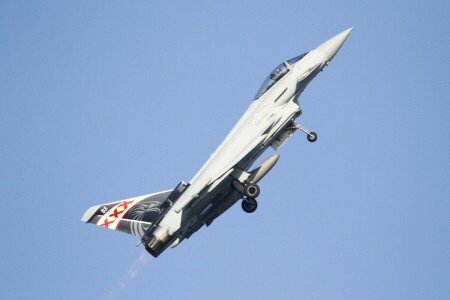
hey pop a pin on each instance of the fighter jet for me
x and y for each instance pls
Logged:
(166, 218)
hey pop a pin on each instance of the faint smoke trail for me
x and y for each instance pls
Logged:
(131, 273)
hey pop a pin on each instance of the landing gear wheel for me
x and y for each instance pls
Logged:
(249, 205)
(312, 137)
(252, 190)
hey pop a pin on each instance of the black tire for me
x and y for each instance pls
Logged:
(252, 190)
(312, 137)
(249, 205)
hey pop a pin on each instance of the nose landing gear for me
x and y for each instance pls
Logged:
(310, 135)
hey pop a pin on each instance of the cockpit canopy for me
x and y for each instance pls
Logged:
(273, 77)
(292, 61)
(277, 74)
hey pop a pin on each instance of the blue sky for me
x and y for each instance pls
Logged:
(105, 100)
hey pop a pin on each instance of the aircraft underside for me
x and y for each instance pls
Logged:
(166, 218)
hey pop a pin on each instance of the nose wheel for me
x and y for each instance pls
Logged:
(249, 205)
(312, 137)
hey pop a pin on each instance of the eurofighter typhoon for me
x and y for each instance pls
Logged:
(166, 218)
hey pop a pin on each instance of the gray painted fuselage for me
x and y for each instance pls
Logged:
(210, 191)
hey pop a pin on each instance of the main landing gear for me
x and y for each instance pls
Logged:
(249, 203)
(252, 190)
(249, 192)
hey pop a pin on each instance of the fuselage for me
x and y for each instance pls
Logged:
(275, 107)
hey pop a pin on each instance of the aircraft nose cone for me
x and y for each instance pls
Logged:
(332, 46)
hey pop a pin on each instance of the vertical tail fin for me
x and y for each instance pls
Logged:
(132, 216)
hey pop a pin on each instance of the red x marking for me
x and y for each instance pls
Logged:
(125, 203)
(115, 214)
(106, 223)
(122, 206)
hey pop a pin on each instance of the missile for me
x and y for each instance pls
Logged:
(260, 171)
